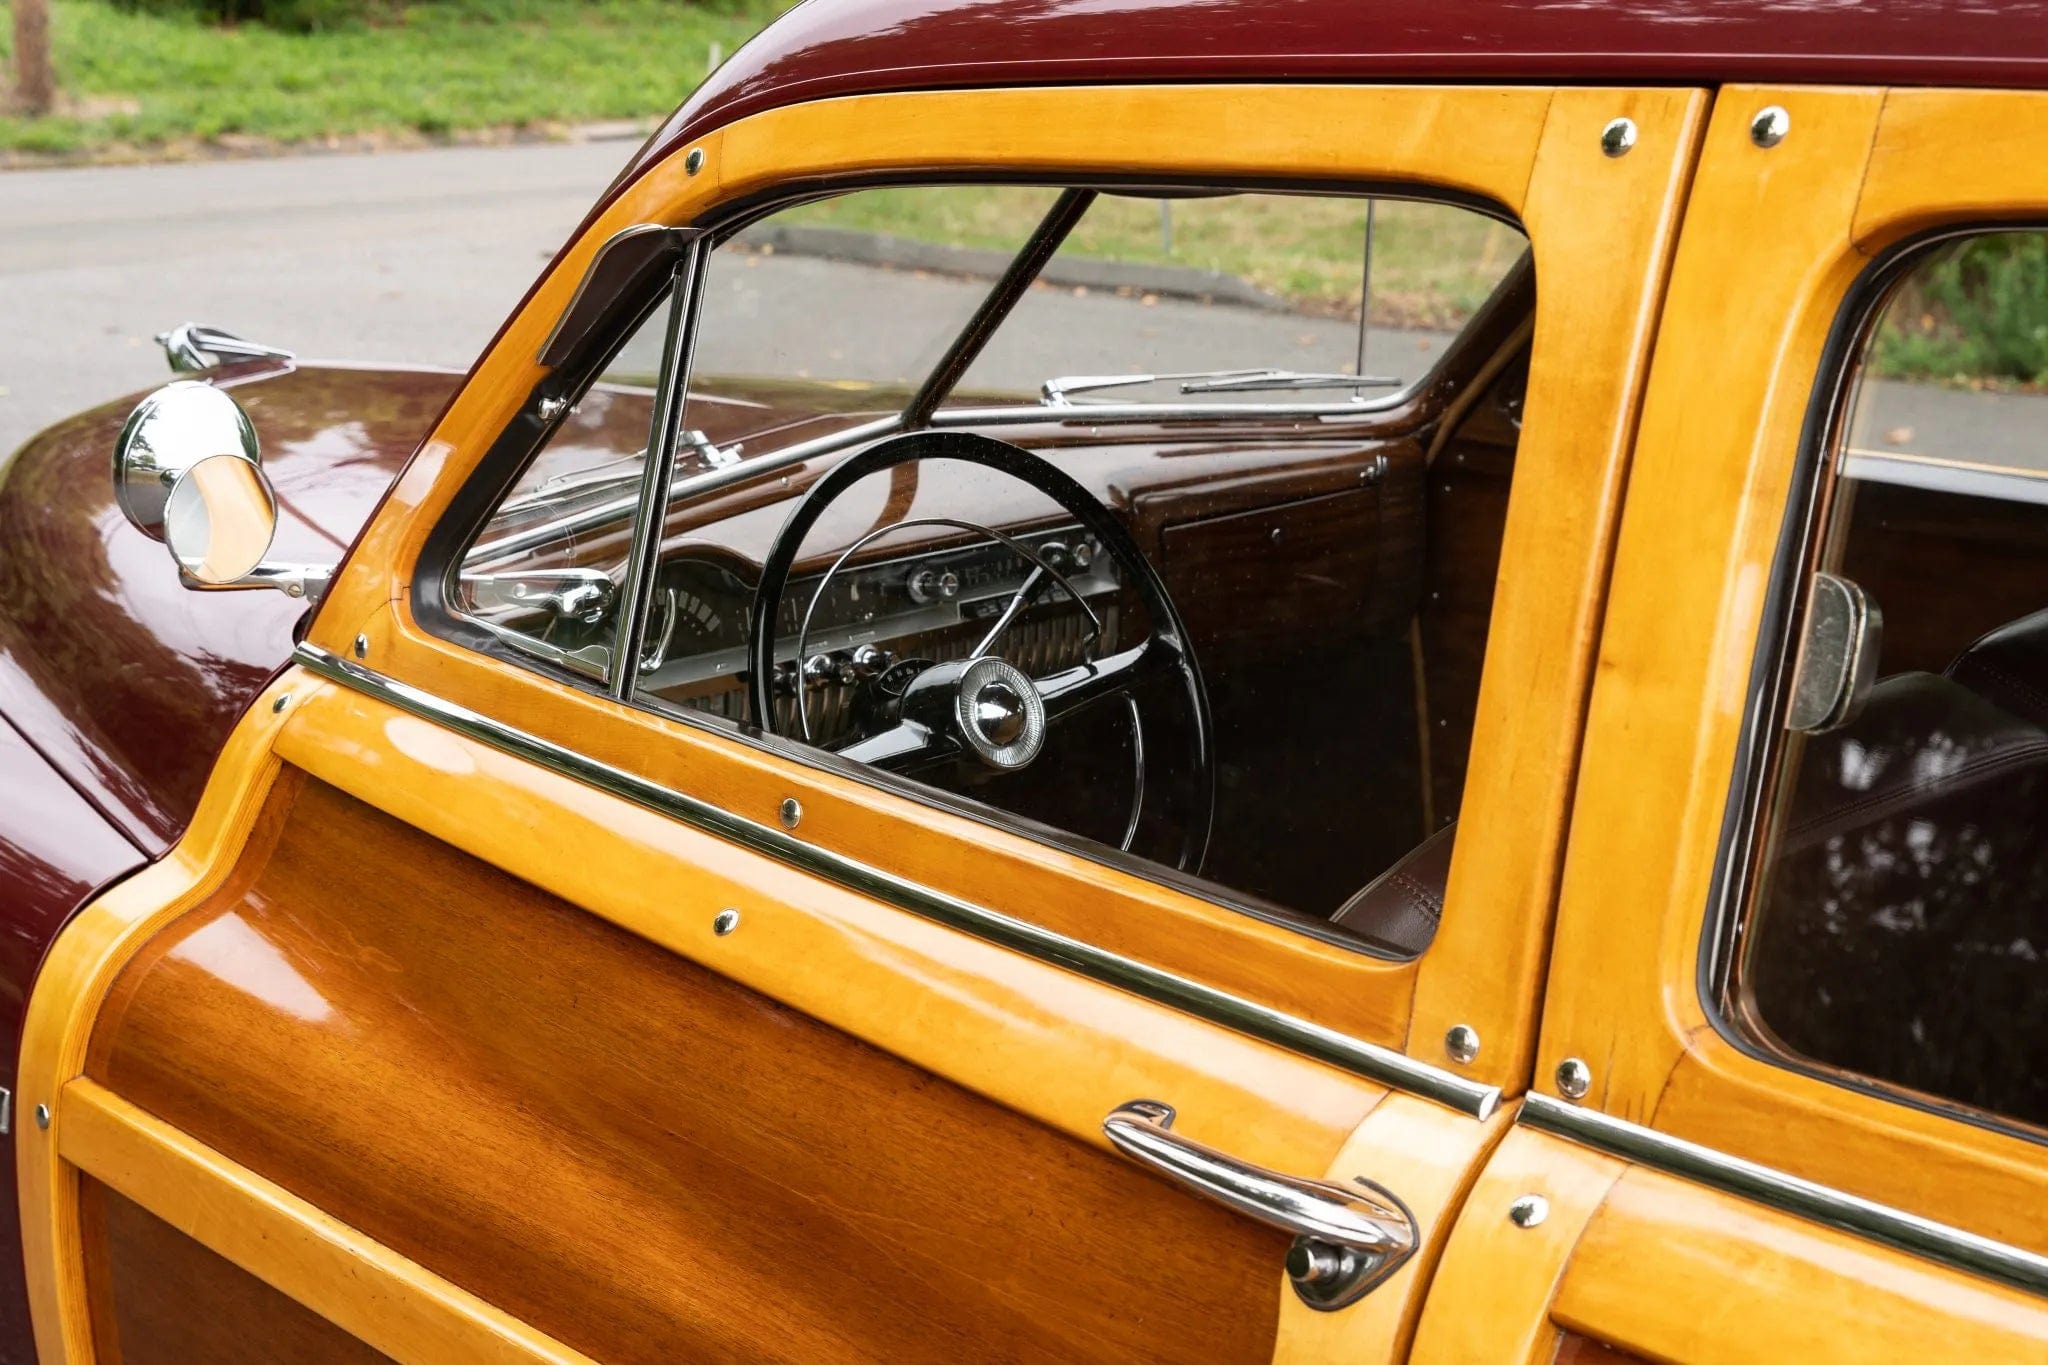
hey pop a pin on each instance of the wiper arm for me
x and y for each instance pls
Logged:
(1058, 392)
(608, 476)
(1258, 380)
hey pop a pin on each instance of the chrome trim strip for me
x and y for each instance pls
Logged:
(1369, 1060)
(1895, 1228)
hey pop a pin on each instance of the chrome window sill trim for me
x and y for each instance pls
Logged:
(1817, 1203)
(1360, 1058)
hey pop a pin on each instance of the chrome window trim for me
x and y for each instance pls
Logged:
(1950, 1246)
(1360, 1058)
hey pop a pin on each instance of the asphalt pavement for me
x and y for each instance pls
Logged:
(417, 257)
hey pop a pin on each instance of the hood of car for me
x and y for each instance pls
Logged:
(127, 682)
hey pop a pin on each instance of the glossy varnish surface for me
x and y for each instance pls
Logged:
(160, 1298)
(630, 1152)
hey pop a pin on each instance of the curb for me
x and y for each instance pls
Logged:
(905, 253)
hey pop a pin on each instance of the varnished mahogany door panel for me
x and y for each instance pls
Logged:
(633, 1154)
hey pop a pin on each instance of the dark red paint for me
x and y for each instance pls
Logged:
(126, 681)
(55, 850)
(847, 47)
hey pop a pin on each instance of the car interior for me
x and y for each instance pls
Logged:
(1230, 621)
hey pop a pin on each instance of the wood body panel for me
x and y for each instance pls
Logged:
(1760, 1285)
(163, 1299)
(1602, 231)
(381, 1298)
(1491, 1299)
(1698, 546)
(631, 1153)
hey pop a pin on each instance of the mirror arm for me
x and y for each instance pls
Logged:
(293, 580)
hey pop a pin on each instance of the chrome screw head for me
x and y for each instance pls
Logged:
(791, 812)
(42, 1116)
(1770, 125)
(725, 921)
(1618, 136)
(1574, 1078)
(693, 160)
(1529, 1210)
(1462, 1043)
(283, 699)
(362, 646)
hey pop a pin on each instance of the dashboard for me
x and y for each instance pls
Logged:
(873, 625)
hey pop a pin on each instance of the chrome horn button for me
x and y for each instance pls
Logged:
(999, 714)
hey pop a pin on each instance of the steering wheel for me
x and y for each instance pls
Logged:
(984, 708)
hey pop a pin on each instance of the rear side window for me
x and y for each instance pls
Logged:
(1898, 929)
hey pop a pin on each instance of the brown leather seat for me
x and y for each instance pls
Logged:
(1399, 909)
(2010, 666)
(1902, 931)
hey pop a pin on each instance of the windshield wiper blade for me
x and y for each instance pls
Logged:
(1058, 392)
(1259, 380)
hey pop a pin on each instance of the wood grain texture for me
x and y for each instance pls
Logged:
(1491, 1298)
(1602, 227)
(631, 1153)
(1759, 1285)
(161, 1298)
(369, 1291)
(76, 973)
(1603, 230)
(1714, 467)
(1947, 155)
(1573, 1349)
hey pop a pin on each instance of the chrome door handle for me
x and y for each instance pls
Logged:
(1345, 1240)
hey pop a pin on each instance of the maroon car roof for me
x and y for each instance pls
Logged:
(844, 47)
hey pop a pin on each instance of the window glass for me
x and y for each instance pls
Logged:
(830, 314)
(545, 569)
(1900, 930)
(993, 623)
(1244, 298)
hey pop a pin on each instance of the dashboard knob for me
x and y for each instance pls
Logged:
(933, 585)
(785, 678)
(868, 660)
(819, 669)
(1056, 555)
(1084, 553)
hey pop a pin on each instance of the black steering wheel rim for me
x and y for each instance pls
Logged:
(1169, 632)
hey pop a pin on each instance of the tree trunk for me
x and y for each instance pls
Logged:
(35, 89)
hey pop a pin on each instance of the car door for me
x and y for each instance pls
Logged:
(1785, 1105)
(488, 1012)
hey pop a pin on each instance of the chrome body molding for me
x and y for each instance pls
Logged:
(1817, 1203)
(1248, 1017)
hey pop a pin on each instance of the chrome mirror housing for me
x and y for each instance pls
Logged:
(188, 472)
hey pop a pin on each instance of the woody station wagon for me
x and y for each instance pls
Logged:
(1177, 681)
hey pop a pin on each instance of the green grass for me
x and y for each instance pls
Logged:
(141, 80)
(1432, 264)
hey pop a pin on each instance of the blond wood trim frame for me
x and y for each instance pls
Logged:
(1603, 229)
(1747, 318)
(366, 1289)
(75, 976)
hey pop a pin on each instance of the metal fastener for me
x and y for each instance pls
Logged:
(791, 812)
(693, 160)
(283, 698)
(1529, 1210)
(1618, 136)
(362, 646)
(725, 921)
(1574, 1078)
(1770, 125)
(1462, 1043)
(551, 407)
(42, 1116)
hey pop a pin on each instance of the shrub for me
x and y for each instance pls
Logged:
(1978, 311)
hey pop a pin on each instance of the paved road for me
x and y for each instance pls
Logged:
(417, 256)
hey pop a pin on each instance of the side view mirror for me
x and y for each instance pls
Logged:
(188, 472)
(1838, 658)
